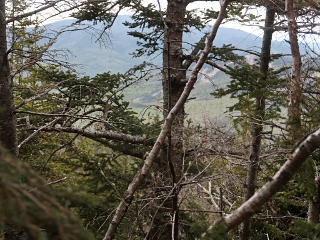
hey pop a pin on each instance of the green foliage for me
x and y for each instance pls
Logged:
(85, 95)
(30, 204)
(99, 179)
(224, 54)
(240, 12)
(218, 232)
(209, 14)
(245, 87)
(148, 27)
(305, 177)
(306, 230)
(96, 12)
(96, 174)
(148, 19)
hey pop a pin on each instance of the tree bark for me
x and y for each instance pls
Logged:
(173, 83)
(313, 210)
(285, 173)
(295, 99)
(139, 177)
(8, 135)
(295, 91)
(259, 113)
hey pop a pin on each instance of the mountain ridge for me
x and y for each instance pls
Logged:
(93, 57)
(114, 54)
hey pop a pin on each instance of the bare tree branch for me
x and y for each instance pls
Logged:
(28, 14)
(37, 131)
(139, 177)
(95, 135)
(285, 173)
(39, 95)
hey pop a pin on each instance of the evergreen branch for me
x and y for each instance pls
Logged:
(52, 4)
(55, 151)
(24, 194)
(54, 121)
(40, 54)
(41, 94)
(212, 64)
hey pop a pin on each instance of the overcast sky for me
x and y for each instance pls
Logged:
(201, 5)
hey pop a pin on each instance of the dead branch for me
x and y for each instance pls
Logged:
(285, 173)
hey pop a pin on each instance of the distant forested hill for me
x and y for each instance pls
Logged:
(114, 54)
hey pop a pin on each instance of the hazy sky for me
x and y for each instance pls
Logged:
(198, 4)
(201, 5)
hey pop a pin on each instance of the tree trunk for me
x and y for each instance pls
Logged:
(313, 210)
(259, 113)
(142, 173)
(295, 91)
(295, 99)
(8, 136)
(173, 82)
